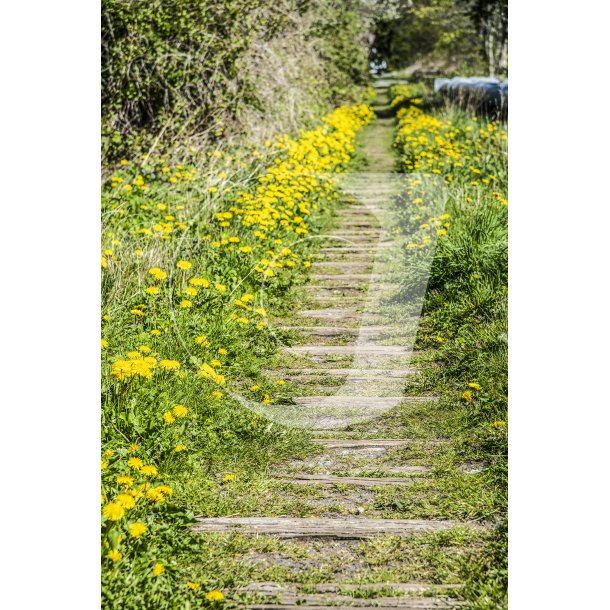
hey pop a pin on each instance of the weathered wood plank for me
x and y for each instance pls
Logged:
(352, 373)
(364, 373)
(365, 402)
(381, 350)
(324, 479)
(275, 588)
(323, 527)
(342, 264)
(337, 331)
(348, 249)
(345, 277)
(351, 288)
(332, 443)
(424, 603)
(335, 600)
(337, 313)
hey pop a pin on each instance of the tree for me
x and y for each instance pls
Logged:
(490, 17)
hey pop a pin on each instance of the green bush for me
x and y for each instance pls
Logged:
(172, 69)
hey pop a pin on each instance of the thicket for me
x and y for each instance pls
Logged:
(182, 73)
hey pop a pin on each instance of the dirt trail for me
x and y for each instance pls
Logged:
(341, 547)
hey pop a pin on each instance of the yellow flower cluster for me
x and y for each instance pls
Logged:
(430, 144)
(401, 93)
(207, 293)
(456, 153)
(130, 493)
(296, 184)
(293, 188)
(136, 365)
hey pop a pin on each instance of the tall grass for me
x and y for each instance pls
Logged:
(465, 320)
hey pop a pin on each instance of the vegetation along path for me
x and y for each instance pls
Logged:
(373, 519)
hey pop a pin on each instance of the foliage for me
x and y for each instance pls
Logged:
(465, 312)
(180, 71)
(443, 36)
(490, 18)
(193, 263)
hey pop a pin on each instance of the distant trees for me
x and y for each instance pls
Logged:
(490, 18)
(457, 35)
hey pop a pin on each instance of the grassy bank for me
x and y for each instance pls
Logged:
(186, 252)
(465, 320)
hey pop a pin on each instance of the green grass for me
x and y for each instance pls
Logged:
(234, 456)
(192, 452)
(464, 327)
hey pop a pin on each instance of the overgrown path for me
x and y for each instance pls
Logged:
(363, 523)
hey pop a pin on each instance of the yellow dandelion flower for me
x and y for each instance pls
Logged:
(467, 395)
(186, 304)
(113, 511)
(152, 290)
(215, 596)
(169, 365)
(149, 470)
(228, 478)
(124, 481)
(193, 585)
(202, 341)
(205, 370)
(190, 291)
(135, 463)
(157, 273)
(180, 411)
(217, 394)
(137, 530)
(179, 448)
(199, 281)
(114, 555)
(104, 343)
(125, 500)
(220, 287)
(168, 417)
(157, 494)
(133, 447)
(184, 265)
(474, 386)
(158, 569)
